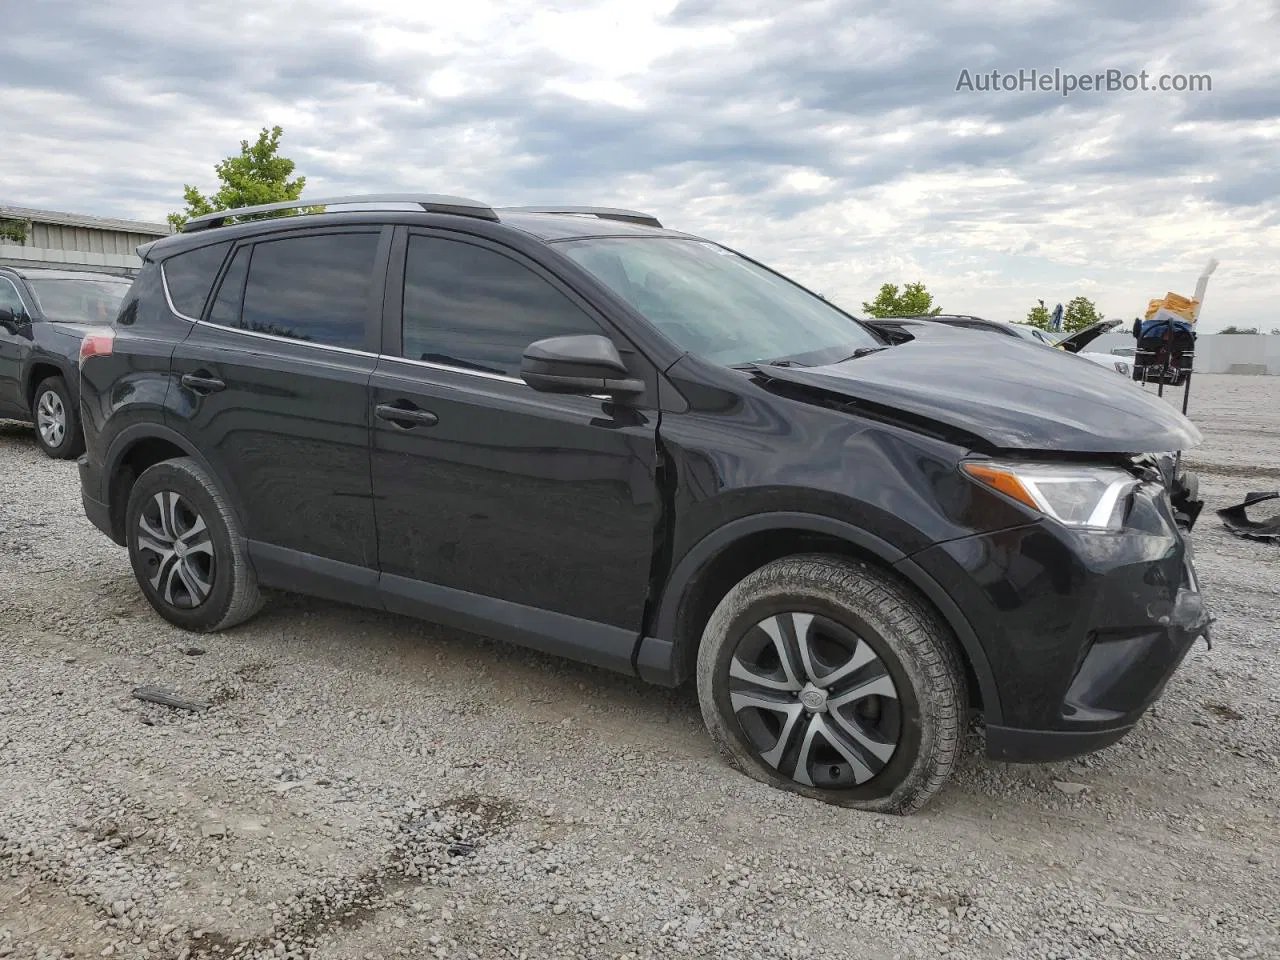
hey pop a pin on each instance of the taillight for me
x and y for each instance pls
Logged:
(96, 345)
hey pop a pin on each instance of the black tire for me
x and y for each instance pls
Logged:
(848, 603)
(1190, 484)
(57, 420)
(207, 585)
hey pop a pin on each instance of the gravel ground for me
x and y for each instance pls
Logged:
(370, 786)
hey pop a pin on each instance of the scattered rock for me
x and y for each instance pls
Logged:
(623, 821)
(1223, 711)
(1070, 788)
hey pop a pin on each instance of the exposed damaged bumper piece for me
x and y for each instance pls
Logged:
(1237, 520)
(1117, 681)
(1184, 495)
(1088, 628)
(1183, 487)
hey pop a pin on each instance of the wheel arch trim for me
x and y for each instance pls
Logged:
(656, 653)
(136, 433)
(30, 379)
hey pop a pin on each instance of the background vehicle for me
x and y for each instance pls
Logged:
(574, 429)
(1072, 343)
(44, 315)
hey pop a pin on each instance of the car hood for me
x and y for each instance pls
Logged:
(1082, 338)
(1010, 395)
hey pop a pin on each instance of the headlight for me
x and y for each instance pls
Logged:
(1122, 368)
(1083, 497)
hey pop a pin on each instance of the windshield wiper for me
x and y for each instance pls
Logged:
(784, 362)
(862, 352)
(757, 364)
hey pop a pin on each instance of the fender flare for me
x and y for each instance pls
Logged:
(29, 381)
(135, 433)
(656, 659)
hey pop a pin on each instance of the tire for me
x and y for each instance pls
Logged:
(207, 584)
(57, 420)
(874, 645)
(1190, 483)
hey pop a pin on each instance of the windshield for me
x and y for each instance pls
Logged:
(718, 305)
(79, 301)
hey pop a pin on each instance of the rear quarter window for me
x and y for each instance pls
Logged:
(189, 277)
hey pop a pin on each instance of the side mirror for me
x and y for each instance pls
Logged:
(586, 364)
(11, 321)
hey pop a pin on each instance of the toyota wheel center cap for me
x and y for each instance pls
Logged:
(813, 698)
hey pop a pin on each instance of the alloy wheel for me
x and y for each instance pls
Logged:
(815, 700)
(177, 550)
(51, 418)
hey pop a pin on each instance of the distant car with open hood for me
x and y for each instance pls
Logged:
(1072, 343)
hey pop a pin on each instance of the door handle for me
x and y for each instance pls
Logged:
(202, 385)
(406, 417)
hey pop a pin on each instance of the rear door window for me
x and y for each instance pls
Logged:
(189, 277)
(315, 288)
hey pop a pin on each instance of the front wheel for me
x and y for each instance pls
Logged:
(830, 678)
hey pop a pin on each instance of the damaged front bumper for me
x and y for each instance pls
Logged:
(1116, 682)
(1081, 631)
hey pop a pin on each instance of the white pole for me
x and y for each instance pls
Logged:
(1203, 282)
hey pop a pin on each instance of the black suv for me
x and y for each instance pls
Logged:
(576, 430)
(44, 316)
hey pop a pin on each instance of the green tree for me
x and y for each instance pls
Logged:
(1038, 316)
(913, 301)
(1234, 329)
(1081, 312)
(257, 175)
(14, 231)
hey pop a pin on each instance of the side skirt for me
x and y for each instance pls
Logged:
(557, 634)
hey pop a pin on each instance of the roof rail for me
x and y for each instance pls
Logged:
(430, 202)
(604, 213)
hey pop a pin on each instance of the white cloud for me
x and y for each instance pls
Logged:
(824, 137)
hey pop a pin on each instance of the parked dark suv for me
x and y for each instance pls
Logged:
(576, 430)
(44, 316)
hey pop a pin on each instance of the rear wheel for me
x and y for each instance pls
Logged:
(829, 678)
(186, 548)
(57, 421)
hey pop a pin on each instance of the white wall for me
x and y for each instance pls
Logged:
(66, 259)
(1215, 352)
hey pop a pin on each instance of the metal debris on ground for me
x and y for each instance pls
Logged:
(1237, 520)
(167, 698)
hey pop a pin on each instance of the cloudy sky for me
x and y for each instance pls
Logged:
(827, 138)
